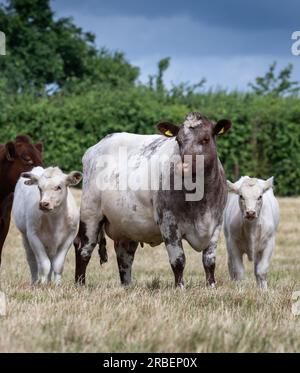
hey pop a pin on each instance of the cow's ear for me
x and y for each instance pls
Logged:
(168, 129)
(39, 146)
(222, 126)
(32, 179)
(232, 188)
(73, 178)
(268, 184)
(10, 151)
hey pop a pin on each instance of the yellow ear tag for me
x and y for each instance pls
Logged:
(220, 132)
(168, 133)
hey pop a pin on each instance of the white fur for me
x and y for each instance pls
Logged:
(132, 215)
(47, 236)
(255, 238)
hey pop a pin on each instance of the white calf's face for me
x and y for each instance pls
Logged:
(251, 196)
(250, 200)
(53, 186)
(53, 192)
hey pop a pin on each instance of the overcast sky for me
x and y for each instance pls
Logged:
(229, 42)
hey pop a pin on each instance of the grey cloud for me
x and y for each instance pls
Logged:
(228, 42)
(236, 14)
(180, 35)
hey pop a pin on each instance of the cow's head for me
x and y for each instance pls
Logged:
(53, 186)
(21, 155)
(250, 194)
(196, 136)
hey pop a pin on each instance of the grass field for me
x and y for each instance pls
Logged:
(152, 316)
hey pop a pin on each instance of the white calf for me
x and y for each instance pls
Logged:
(250, 222)
(45, 212)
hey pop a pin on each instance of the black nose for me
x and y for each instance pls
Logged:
(250, 214)
(44, 205)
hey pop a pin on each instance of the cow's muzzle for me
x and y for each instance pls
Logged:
(250, 215)
(45, 206)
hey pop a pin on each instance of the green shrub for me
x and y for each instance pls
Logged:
(264, 139)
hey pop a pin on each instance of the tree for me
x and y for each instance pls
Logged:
(162, 66)
(43, 51)
(280, 85)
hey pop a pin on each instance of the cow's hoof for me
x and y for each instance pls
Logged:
(211, 286)
(180, 286)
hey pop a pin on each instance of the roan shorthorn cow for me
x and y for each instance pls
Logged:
(251, 219)
(46, 214)
(16, 157)
(153, 215)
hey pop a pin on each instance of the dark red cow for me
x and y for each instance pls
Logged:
(16, 157)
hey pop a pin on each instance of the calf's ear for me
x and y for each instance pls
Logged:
(39, 146)
(222, 126)
(73, 178)
(32, 179)
(232, 188)
(268, 184)
(10, 151)
(168, 129)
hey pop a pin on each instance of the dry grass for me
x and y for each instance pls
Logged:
(152, 316)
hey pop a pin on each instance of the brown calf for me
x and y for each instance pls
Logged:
(16, 156)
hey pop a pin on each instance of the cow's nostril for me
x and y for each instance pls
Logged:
(44, 204)
(250, 214)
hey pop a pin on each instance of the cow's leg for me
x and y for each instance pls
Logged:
(80, 263)
(84, 246)
(31, 260)
(177, 261)
(209, 258)
(42, 259)
(235, 262)
(59, 259)
(125, 254)
(261, 263)
(172, 239)
(91, 219)
(5, 213)
(209, 264)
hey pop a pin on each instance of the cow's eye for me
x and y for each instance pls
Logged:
(241, 197)
(260, 197)
(58, 187)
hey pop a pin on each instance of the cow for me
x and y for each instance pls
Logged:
(155, 215)
(251, 219)
(46, 214)
(16, 157)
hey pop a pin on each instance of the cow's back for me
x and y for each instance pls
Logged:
(139, 145)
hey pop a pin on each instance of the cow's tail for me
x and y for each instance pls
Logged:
(102, 250)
